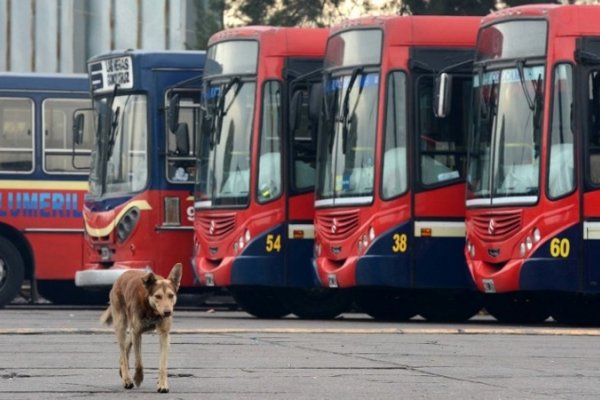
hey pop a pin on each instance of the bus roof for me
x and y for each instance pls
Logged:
(11, 81)
(150, 59)
(279, 41)
(422, 30)
(566, 20)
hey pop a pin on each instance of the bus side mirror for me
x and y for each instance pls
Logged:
(442, 95)
(182, 140)
(173, 113)
(296, 109)
(315, 100)
(78, 127)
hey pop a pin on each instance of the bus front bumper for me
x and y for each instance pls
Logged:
(94, 275)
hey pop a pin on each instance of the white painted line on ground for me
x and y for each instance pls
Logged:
(543, 331)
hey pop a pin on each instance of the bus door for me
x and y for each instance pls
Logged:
(441, 145)
(589, 81)
(303, 92)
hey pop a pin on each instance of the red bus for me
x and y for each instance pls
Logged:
(255, 192)
(42, 184)
(139, 209)
(532, 209)
(389, 217)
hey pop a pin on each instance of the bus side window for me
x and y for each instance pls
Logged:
(58, 138)
(561, 174)
(16, 135)
(181, 146)
(304, 146)
(594, 126)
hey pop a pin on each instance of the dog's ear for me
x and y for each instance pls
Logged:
(175, 275)
(149, 280)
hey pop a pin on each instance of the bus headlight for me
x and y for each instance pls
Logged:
(247, 236)
(537, 235)
(529, 243)
(371, 233)
(127, 223)
(522, 250)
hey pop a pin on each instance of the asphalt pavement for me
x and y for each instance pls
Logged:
(58, 353)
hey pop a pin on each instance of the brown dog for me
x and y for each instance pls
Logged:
(142, 301)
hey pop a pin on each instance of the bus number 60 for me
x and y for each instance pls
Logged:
(560, 247)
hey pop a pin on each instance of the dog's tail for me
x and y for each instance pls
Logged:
(106, 317)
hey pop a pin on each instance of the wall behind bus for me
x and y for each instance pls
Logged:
(60, 35)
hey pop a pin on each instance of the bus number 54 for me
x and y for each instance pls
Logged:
(273, 243)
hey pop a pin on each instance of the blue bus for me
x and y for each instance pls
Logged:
(139, 213)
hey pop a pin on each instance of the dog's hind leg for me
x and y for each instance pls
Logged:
(136, 339)
(164, 339)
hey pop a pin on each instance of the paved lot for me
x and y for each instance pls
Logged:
(60, 353)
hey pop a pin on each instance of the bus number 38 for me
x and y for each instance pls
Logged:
(400, 243)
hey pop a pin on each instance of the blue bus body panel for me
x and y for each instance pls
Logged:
(255, 266)
(440, 263)
(428, 263)
(541, 271)
(290, 267)
(380, 266)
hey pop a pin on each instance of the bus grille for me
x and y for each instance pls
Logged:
(338, 225)
(216, 225)
(497, 225)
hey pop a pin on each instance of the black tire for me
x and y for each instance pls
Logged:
(458, 306)
(317, 303)
(577, 309)
(517, 308)
(12, 271)
(65, 292)
(259, 302)
(386, 305)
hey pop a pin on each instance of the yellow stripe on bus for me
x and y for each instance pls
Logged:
(43, 185)
(106, 230)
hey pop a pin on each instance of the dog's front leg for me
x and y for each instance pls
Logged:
(164, 341)
(124, 346)
(136, 339)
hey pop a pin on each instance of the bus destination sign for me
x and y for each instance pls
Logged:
(106, 74)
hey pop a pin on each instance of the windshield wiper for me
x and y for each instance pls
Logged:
(221, 109)
(113, 124)
(343, 117)
(520, 68)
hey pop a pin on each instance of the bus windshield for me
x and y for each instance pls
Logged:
(224, 158)
(347, 148)
(504, 159)
(119, 159)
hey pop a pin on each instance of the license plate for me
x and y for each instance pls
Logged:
(488, 286)
(105, 253)
(210, 279)
(332, 279)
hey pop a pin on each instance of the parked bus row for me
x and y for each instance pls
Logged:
(306, 169)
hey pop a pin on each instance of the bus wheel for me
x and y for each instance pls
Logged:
(386, 305)
(317, 303)
(259, 302)
(12, 271)
(456, 306)
(65, 292)
(574, 309)
(517, 308)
